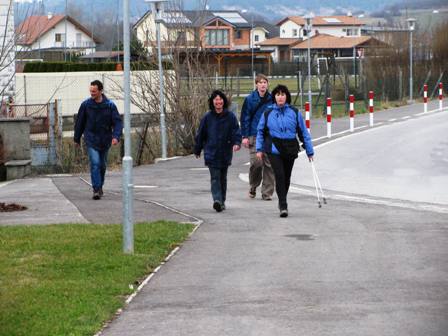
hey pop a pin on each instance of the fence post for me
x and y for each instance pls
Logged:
(400, 84)
(307, 116)
(352, 113)
(425, 98)
(440, 96)
(51, 135)
(328, 117)
(371, 108)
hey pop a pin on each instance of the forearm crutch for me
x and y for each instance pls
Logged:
(318, 186)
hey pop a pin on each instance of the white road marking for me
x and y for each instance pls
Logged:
(145, 186)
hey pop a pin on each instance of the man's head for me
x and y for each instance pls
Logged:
(261, 82)
(96, 89)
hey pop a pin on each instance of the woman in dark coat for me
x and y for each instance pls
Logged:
(219, 135)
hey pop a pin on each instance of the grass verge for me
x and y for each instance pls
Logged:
(69, 279)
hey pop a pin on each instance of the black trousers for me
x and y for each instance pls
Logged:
(282, 171)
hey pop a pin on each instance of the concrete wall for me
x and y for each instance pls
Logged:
(15, 134)
(72, 88)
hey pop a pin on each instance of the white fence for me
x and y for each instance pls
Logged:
(71, 88)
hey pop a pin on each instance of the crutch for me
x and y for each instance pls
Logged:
(318, 186)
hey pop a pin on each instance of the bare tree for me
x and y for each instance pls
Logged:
(187, 83)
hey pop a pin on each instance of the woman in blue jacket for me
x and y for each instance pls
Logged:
(277, 137)
(219, 136)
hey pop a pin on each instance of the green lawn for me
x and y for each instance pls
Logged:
(70, 279)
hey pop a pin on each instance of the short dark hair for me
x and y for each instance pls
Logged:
(98, 84)
(215, 94)
(282, 89)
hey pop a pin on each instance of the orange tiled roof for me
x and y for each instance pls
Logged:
(320, 20)
(281, 41)
(324, 41)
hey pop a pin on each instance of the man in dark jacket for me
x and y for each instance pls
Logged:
(260, 171)
(219, 135)
(98, 119)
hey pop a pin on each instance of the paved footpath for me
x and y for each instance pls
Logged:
(346, 269)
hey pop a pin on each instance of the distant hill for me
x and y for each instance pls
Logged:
(272, 11)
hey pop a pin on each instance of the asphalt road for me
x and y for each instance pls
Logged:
(367, 263)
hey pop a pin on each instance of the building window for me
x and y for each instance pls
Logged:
(217, 37)
(58, 37)
(294, 32)
(305, 32)
(256, 38)
(237, 34)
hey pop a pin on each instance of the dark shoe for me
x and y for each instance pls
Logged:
(100, 191)
(266, 198)
(223, 206)
(284, 213)
(96, 195)
(217, 206)
(252, 193)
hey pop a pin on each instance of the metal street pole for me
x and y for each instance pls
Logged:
(157, 10)
(252, 46)
(65, 33)
(308, 19)
(411, 26)
(128, 225)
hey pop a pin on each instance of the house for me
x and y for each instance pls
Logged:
(293, 31)
(324, 45)
(226, 35)
(295, 26)
(282, 48)
(48, 33)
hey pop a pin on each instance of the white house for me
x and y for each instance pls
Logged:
(7, 52)
(48, 32)
(295, 26)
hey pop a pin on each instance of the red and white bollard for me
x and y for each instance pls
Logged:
(440, 96)
(352, 113)
(371, 108)
(328, 117)
(425, 98)
(307, 116)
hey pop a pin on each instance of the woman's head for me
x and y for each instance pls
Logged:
(217, 101)
(281, 95)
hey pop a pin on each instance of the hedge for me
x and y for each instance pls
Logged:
(73, 67)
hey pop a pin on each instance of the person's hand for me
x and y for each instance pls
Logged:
(311, 158)
(114, 141)
(260, 155)
(77, 144)
(245, 142)
(236, 148)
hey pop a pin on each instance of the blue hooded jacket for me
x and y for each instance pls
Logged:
(217, 134)
(99, 122)
(282, 123)
(249, 118)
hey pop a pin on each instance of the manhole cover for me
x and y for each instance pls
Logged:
(11, 207)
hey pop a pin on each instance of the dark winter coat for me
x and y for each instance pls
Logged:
(249, 117)
(99, 122)
(217, 134)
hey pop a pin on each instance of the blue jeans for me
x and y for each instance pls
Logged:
(98, 163)
(218, 181)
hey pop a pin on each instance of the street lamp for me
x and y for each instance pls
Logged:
(251, 43)
(309, 18)
(157, 7)
(128, 226)
(411, 27)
